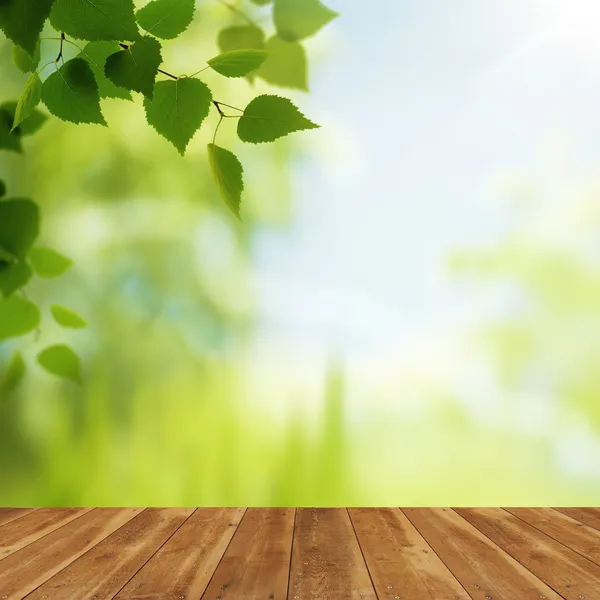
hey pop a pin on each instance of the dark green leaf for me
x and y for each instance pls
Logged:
(60, 360)
(67, 318)
(30, 98)
(2, 189)
(72, 93)
(31, 124)
(48, 263)
(13, 277)
(94, 20)
(19, 226)
(17, 317)
(178, 109)
(22, 21)
(9, 139)
(238, 63)
(268, 118)
(25, 61)
(229, 176)
(286, 65)
(298, 19)
(137, 67)
(95, 54)
(166, 19)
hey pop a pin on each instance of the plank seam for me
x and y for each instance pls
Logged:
(509, 555)
(552, 537)
(224, 553)
(89, 550)
(153, 555)
(292, 555)
(362, 554)
(19, 517)
(441, 559)
(562, 512)
(46, 534)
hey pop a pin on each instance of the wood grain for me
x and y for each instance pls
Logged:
(106, 568)
(34, 525)
(482, 568)
(589, 516)
(327, 562)
(567, 572)
(10, 514)
(31, 566)
(400, 562)
(579, 537)
(256, 563)
(183, 567)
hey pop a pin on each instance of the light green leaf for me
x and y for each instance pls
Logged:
(298, 19)
(229, 176)
(95, 54)
(67, 318)
(22, 21)
(25, 61)
(137, 67)
(14, 374)
(268, 118)
(94, 20)
(13, 277)
(31, 124)
(32, 94)
(286, 65)
(48, 263)
(166, 19)
(72, 93)
(17, 317)
(9, 139)
(238, 63)
(178, 109)
(19, 226)
(60, 360)
(244, 37)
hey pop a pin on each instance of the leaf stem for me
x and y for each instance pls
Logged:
(218, 125)
(218, 104)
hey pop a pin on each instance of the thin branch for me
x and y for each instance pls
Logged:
(62, 42)
(235, 10)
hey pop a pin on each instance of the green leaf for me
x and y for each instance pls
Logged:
(48, 263)
(17, 317)
(229, 176)
(166, 19)
(9, 139)
(178, 109)
(25, 61)
(298, 19)
(60, 360)
(72, 93)
(95, 54)
(22, 21)
(31, 124)
(137, 67)
(286, 65)
(13, 277)
(19, 226)
(94, 20)
(67, 318)
(268, 118)
(245, 37)
(14, 374)
(32, 94)
(238, 63)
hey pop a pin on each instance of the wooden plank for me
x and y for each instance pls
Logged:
(10, 514)
(482, 568)
(31, 566)
(183, 567)
(589, 516)
(256, 564)
(22, 532)
(568, 531)
(327, 562)
(106, 568)
(400, 561)
(567, 572)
